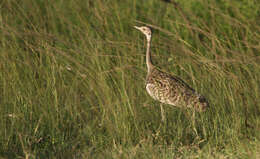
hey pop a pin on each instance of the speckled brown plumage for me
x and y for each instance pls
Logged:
(172, 90)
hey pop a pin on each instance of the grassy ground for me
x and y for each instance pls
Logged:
(72, 78)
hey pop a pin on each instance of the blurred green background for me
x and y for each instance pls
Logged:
(72, 78)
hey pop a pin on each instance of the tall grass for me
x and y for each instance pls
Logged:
(72, 78)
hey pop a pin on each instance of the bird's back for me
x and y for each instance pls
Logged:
(172, 90)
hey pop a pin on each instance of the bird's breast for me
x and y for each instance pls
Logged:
(150, 88)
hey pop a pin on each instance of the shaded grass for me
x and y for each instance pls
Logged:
(72, 79)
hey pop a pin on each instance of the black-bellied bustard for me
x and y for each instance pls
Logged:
(169, 89)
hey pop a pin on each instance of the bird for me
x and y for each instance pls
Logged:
(167, 88)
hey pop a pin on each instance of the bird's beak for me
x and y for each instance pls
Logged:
(136, 27)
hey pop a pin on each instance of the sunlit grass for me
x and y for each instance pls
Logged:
(72, 77)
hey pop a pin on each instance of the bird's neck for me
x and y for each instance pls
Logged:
(148, 57)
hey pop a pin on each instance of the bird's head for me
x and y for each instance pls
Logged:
(146, 31)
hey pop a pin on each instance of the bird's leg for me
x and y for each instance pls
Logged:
(162, 120)
(190, 115)
(193, 119)
(162, 113)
